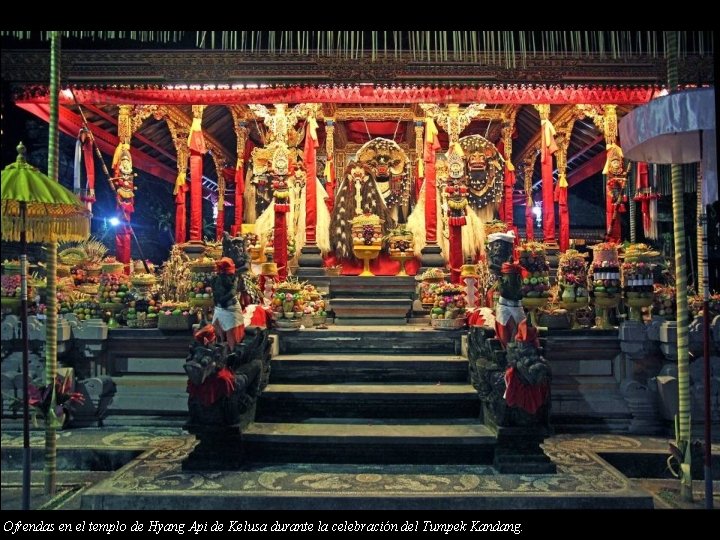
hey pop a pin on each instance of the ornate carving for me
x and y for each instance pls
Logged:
(375, 114)
(281, 122)
(124, 125)
(453, 120)
(157, 66)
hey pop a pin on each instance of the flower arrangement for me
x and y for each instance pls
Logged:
(175, 276)
(696, 305)
(572, 276)
(54, 403)
(664, 302)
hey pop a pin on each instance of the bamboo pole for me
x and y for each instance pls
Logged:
(683, 433)
(51, 267)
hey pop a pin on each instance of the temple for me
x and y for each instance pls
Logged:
(422, 259)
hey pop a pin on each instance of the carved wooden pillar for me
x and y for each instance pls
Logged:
(330, 162)
(563, 142)
(547, 148)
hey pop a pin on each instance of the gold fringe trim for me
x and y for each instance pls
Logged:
(46, 229)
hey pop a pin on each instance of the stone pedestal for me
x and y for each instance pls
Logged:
(311, 263)
(642, 402)
(518, 451)
(431, 258)
(219, 448)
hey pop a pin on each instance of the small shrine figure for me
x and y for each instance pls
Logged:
(509, 312)
(124, 184)
(228, 315)
(615, 196)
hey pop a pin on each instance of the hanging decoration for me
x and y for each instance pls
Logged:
(547, 148)
(329, 172)
(647, 198)
(84, 155)
(561, 190)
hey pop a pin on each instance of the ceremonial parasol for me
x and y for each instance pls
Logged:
(36, 209)
(680, 128)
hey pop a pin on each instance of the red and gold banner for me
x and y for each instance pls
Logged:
(431, 146)
(310, 156)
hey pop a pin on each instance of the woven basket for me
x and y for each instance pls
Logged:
(112, 268)
(448, 324)
(202, 302)
(174, 322)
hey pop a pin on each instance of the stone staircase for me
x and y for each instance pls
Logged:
(366, 395)
(381, 300)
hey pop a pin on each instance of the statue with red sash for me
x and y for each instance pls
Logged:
(124, 184)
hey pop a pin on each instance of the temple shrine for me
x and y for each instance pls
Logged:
(378, 250)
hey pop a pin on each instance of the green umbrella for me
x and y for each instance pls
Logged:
(36, 209)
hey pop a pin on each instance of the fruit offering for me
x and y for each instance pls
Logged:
(572, 276)
(604, 280)
(449, 302)
(366, 230)
(536, 275)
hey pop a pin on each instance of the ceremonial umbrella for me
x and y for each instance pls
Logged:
(680, 128)
(36, 209)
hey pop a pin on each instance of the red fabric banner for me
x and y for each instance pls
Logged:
(529, 221)
(564, 219)
(330, 184)
(309, 157)
(239, 191)
(456, 254)
(548, 207)
(196, 167)
(280, 240)
(122, 246)
(507, 203)
(220, 222)
(431, 147)
(181, 215)
(196, 143)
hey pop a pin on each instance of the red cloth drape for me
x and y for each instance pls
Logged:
(456, 255)
(216, 386)
(528, 397)
(89, 159)
(546, 166)
(196, 167)
(508, 197)
(529, 221)
(280, 239)
(431, 146)
(181, 214)
(220, 223)
(564, 219)
(642, 183)
(122, 245)
(330, 183)
(239, 192)
(382, 266)
(196, 143)
(311, 144)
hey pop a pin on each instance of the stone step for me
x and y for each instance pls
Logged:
(369, 442)
(391, 310)
(375, 287)
(346, 368)
(390, 340)
(150, 394)
(285, 402)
